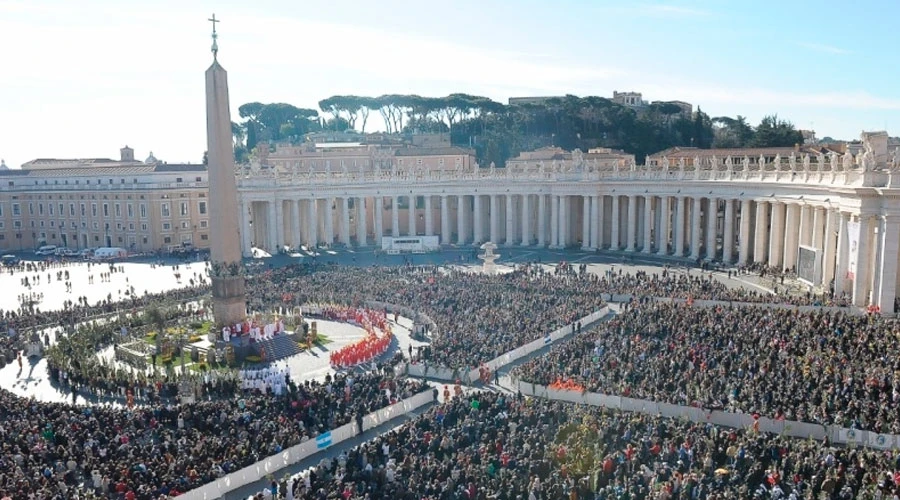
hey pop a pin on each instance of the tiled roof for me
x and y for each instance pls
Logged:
(725, 152)
(438, 151)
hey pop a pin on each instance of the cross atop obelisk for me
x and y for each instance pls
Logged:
(215, 36)
(229, 303)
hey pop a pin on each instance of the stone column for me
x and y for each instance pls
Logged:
(445, 221)
(889, 241)
(712, 216)
(542, 220)
(680, 226)
(792, 236)
(843, 254)
(313, 230)
(615, 240)
(345, 221)
(596, 223)
(585, 222)
(631, 230)
(761, 241)
(648, 224)
(564, 207)
(805, 231)
(378, 213)
(478, 230)
(526, 220)
(554, 221)
(861, 275)
(818, 227)
(744, 244)
(494, 221)
(461, 233)
(395, 216)
(461, 215)
(362, 232)
(776, 238)
(510, 221)
(272, 227)
(728, 242)
(295, 223)
(246, 237)
(695, 228)
(829, 247)
(429, 216)
(664, 206)
(411, 215)
(329, 221)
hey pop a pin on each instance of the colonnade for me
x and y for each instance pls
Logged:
(733, 230)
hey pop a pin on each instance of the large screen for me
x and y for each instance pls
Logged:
(806, 264)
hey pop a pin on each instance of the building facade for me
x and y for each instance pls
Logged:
(138, 205)
(833, 217)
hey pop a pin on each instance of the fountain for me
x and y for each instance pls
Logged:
(489, 267)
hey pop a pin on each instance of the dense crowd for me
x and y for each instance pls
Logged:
(819, 367)
(58, 451)
(495, 446)
(478, 316)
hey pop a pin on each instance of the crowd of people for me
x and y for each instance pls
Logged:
(375, 341)
(478, 316)
(820, 367)
(59, 451)
(496, 446)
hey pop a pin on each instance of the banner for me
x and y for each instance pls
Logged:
(853, 246)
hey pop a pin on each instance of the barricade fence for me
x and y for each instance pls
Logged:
(294, 454)
(471, 375)
(792, 428)
(621, 298)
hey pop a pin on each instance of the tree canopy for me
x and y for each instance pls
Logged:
(497, 131)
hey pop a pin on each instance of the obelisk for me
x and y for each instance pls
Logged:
(229, 301)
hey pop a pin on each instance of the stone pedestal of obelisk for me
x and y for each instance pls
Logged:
(229, 299)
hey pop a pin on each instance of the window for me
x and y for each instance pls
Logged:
(144, 227)
(178, 179)
(71, 210)
(82, 209)
(118, 210)
(143, 211)
(17, 211)
(93, 209)
(31, 209)
(40, 209)
(184, 209)
(167, 226)
(63, 211)
(202, 207)
(96, 238)
(167, 239)
(131, 226)
(96, 225)
(144, 240)
(53, 223)
(130, 211)
(106, 209)
(204, 237)
(184, 224)
(198, 179)
(1, 210)
(118, 226)
(204, 223)
(164, 208)
(17, 224)
(2, 224)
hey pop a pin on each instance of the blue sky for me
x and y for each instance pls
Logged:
(82, 79)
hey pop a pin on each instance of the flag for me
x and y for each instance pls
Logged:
(323, 440)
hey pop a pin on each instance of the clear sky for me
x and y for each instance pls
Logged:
(84, 78)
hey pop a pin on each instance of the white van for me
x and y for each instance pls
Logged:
(109, 253)
(46, 250)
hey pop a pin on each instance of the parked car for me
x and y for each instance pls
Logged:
(66, 252)
(9, 260)
(46, 250)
